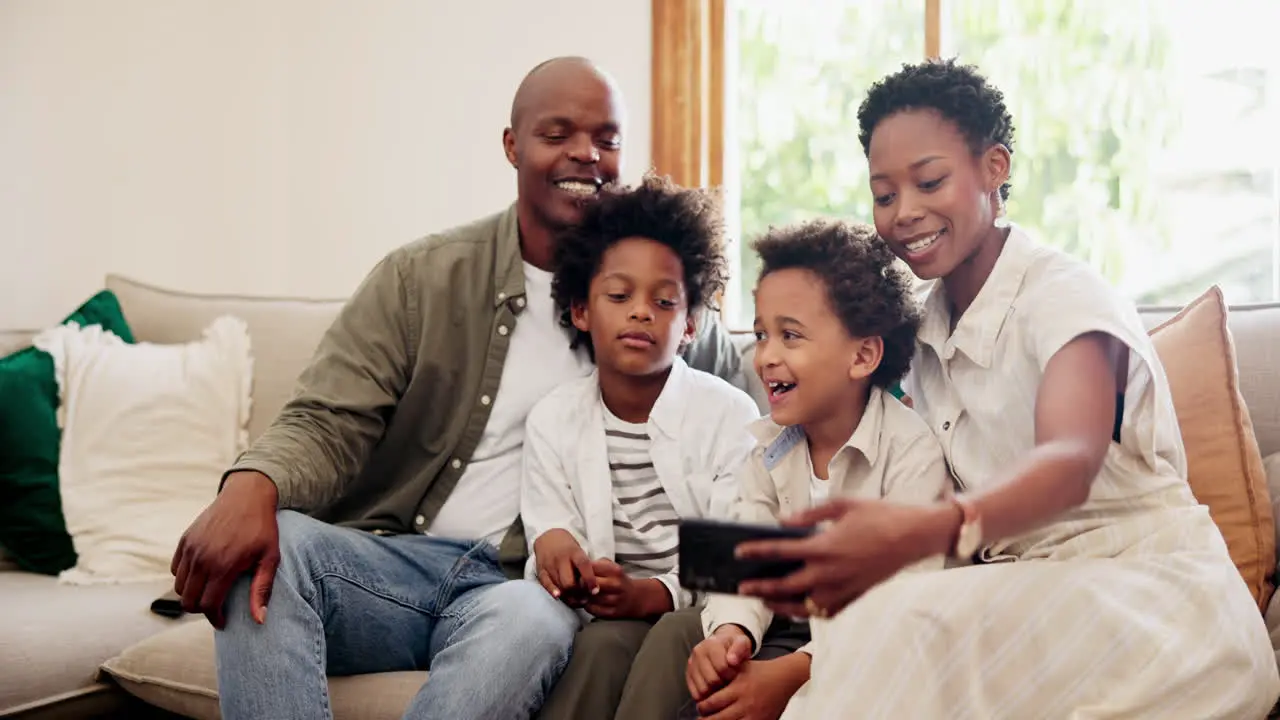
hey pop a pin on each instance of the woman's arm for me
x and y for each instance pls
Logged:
(1075, 417)
(869, 541)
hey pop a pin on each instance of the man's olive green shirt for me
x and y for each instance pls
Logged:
(384, 419)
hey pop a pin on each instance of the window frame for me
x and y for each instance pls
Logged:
(688, 92)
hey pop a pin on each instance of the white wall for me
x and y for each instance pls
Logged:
(266, 146)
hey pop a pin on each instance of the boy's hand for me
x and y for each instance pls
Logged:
(716, 661)
(622, 597)
(563, 568)
(760, 691)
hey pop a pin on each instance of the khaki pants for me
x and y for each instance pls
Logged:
(634, 669)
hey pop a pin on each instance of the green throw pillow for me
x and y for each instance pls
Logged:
(32, 529)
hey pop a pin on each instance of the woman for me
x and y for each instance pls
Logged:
(1098, 587)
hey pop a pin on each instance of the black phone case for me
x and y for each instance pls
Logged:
(169, 605)
(707, 562)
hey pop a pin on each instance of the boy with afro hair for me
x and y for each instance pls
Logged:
(614, 460)
(835, 331)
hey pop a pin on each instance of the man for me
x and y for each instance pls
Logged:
(402, 445)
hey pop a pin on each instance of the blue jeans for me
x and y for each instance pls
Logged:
(347, 602)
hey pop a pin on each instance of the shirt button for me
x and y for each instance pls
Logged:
(519, 302)
(502, 330)
(502, 296)
(485, 399)
(946, 425)
(456, 463)
(420, 520)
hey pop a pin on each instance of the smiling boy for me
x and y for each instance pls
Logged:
(612, 461)
(835, 329)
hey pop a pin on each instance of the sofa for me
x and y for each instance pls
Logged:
(99, 651)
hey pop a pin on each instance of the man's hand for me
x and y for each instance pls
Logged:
(622, 597)
(235, 534)
(563, 568)
(760, 691)
(716, 661)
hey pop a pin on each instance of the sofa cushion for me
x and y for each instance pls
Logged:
(146, 428)
(1224, 465)
(1271, 466)
(175, 670)
(284, 332)
(32, 528)
(1255, 331)
(53, 636)
(11, 341)
(1272, 619)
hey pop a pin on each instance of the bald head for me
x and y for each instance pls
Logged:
(551, 75)
(565, 142)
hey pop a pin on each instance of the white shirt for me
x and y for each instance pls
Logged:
(819, 489)
(486, 499)
(645, 537)
(976, 386)
(698, 431)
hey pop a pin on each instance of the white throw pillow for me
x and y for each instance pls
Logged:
(147, 430)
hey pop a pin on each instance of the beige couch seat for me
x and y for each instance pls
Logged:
(175, 671)
(53, 637)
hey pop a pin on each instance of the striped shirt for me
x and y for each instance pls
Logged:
(644, 522)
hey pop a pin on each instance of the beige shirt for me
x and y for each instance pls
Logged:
(977, 387)
(891, 455)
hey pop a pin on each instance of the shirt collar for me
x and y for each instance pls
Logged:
(866, 437)
(667, 415)
(776, 441)
(979, 327)
(509, 265)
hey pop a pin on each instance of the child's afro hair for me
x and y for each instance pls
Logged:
(867, 288)
(687, 220)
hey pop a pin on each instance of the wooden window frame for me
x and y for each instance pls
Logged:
(688, 87)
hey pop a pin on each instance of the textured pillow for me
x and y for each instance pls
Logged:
(1224, 465)
(147, 431)
(32, 530)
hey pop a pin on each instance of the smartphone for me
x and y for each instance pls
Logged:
(707, 562)
(168, 605)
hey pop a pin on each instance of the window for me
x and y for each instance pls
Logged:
(1145, 137)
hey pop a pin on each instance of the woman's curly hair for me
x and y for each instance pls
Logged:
(687, 220)
(957, 92)
(867, 288)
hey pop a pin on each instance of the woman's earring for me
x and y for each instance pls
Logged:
(1001, 221)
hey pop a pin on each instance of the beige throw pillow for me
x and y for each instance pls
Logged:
(1224, 465)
